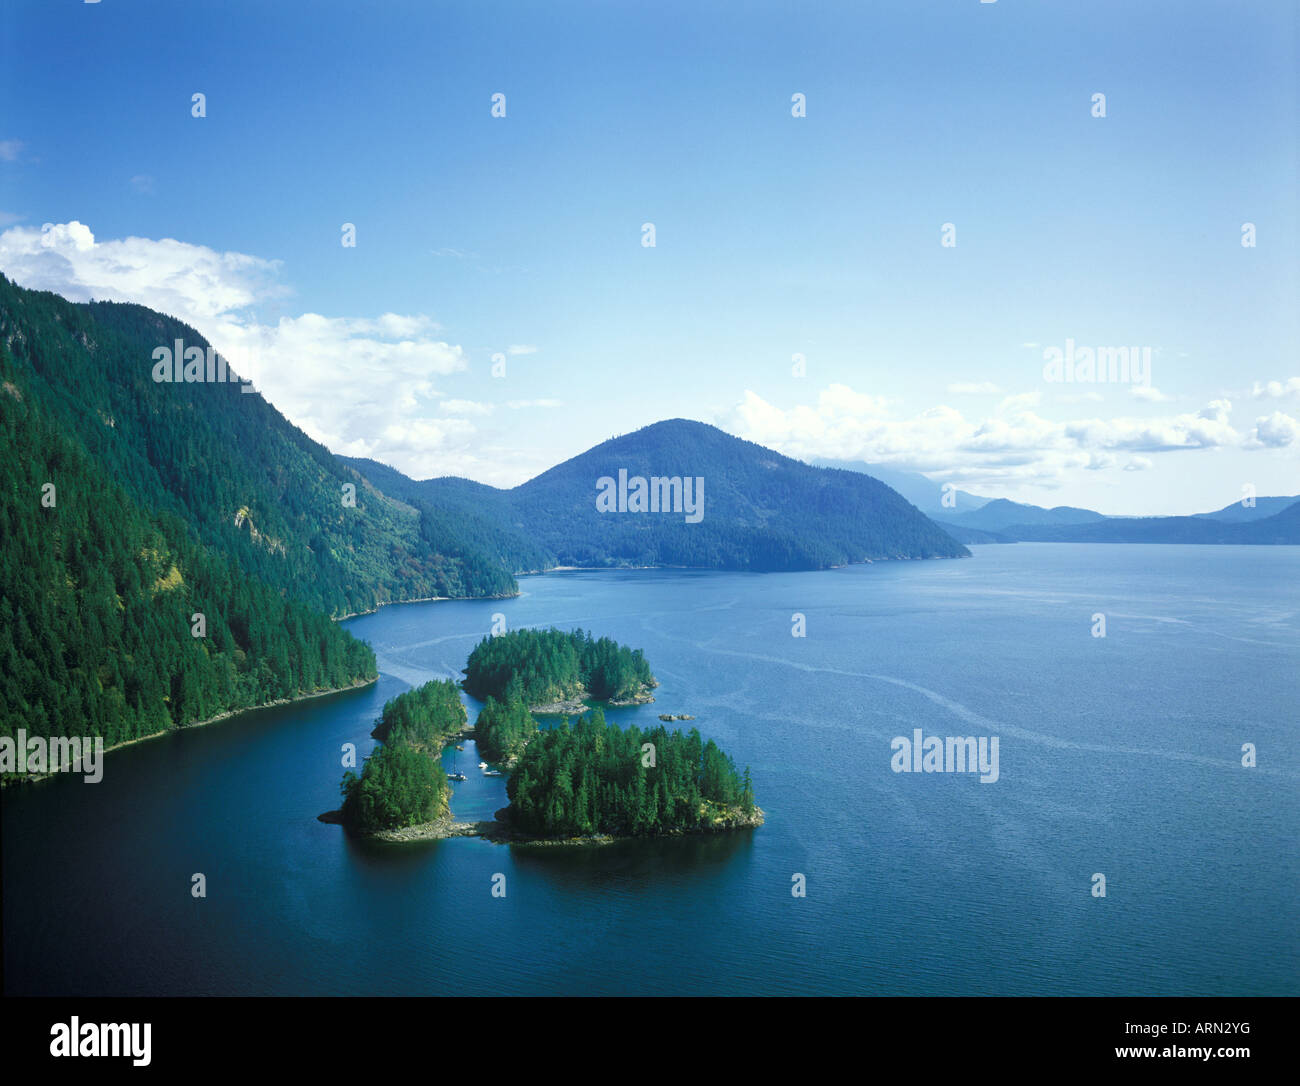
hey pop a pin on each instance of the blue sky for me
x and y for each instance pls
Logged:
(775, 235)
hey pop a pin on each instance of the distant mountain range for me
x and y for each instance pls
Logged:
(761, 511)
(1271, 520)
(1280, 528)
(1263, 508)
(974, 519)
(926, 495)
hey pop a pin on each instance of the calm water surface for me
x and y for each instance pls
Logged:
(1119, 755)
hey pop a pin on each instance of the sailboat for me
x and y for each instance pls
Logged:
(455, 774)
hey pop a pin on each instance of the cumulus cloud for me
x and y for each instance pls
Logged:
(1276, 431)
(191, 282)
(1209, 428)
(361, 386)
(1014, 443)
(1276, 390)
(1148, 394)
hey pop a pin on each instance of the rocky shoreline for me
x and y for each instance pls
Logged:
(499, 831)
(577, 704)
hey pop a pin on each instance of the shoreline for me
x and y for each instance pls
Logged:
(499, 831)
(226, 715)
(729, 569)
(614, 569)
(422, 599)
(585, 703)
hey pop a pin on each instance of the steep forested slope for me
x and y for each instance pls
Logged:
(129, 506)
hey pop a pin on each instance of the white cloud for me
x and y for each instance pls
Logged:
(143, 183)
(1019, 402)
(1207, 429)
(521, 348)
(465, 407)
(1276, 431)
(1276, 390)
(10, 150)
(1012, 445)
(836, 400)
(1148, 394)
(359, 385)
(191, 282)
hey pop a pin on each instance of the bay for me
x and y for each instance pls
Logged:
(1118, 755)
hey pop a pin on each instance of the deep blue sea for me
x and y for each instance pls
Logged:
(1118, 755)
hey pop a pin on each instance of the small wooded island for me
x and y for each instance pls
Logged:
(552, 671)
(403, 782)
(581, 781)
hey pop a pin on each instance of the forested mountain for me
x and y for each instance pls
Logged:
(244, 479)
(474, 512)
(130, 505)
(1001, 513)
(760, 511)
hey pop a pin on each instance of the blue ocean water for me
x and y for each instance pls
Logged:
(1118, 755)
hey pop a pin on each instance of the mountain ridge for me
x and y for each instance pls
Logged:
(754, 499)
